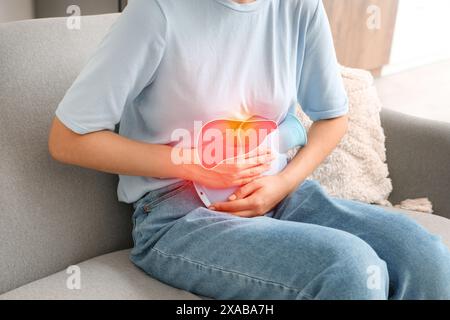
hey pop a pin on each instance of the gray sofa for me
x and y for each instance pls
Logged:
(53, 216)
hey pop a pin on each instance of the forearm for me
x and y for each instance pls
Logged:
(109, 152)
(323, 137)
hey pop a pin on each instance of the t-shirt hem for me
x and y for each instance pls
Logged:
(69, 123)
(329, 114)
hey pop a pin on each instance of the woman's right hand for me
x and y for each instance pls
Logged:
(232, 172)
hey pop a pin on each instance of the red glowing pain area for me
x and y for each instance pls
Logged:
(230, 140)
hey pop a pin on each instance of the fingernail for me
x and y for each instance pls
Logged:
(232, 197)
(212, 208)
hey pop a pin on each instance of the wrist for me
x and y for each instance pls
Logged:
(188, 171)
(183, 163)
(290, 181)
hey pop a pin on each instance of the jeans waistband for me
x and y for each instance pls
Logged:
(153, 194)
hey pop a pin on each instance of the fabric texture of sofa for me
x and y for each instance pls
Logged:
(53, 216)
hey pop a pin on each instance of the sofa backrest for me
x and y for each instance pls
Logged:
(51, 215)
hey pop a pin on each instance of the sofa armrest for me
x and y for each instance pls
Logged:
(418, 156)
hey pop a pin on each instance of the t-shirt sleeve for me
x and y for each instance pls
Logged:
(321, 92)
(123, 64)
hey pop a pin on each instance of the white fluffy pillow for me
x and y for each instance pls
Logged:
(357, 169)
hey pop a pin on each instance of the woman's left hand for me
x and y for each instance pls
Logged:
(256, 198)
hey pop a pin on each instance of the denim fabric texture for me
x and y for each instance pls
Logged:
(311, 246)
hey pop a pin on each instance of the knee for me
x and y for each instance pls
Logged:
(431, 269)
(422, 263)
(354, 272)
(418, 249)
(426, 268)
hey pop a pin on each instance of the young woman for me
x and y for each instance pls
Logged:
(167, 64)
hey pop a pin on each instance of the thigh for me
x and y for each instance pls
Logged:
(395, 237)
(228, 257)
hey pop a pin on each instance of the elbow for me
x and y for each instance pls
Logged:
(54, 147)
(59, 142)
(54, 151)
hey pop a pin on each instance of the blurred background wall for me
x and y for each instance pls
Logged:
(57, 8)
(11, 10)
(421, 36)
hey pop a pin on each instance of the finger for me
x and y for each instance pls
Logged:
(258, 152)
(242, 162)
(242, 182)
(261, 159)
(239, 164)
(245, 163)
(231, 206)
(253, 155)
(254, 171)
(245, 191)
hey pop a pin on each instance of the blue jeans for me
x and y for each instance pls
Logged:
(311, 246)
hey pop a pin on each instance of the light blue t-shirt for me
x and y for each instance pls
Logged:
(168, 63)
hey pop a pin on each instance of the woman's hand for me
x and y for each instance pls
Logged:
(262, 195)
(257, 198)
(232, 172)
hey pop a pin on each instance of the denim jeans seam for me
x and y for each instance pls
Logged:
(264, 281)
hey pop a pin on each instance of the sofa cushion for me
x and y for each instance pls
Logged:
(435, 224)
(357, 168)
(51, 215)
(113, 276)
